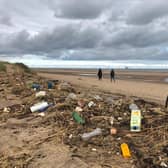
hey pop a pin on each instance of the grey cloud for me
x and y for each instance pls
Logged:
(79, 9)
(66, 37)
(85, 29)
(6, 20)
(147, 11)
(112, 54)
(137, 37)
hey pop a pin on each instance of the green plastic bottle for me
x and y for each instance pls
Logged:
(77, 118)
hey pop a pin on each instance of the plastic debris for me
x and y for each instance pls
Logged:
(77, 118)
(98, 98)
(133, 107)
(41, 114)
(111, 121)
(6, 110)
(125, 150)
(135, 123)
(87, 136)
(50, 84)
(45, 108)
(39, 106)
(94, 149)
(163, 164)
(78, 109)
(36, 86)
(113, 131)
(120, 118)
(41, 94)
(91, 103)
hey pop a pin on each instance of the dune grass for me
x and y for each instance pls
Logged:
(2, 66)
(24, 67)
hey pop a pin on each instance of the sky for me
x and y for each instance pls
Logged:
(39, 30)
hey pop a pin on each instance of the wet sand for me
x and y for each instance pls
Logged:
(149, 85)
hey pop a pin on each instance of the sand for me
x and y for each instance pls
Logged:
(29, 140)
(147, 85)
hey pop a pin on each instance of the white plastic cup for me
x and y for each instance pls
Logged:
(39, 106)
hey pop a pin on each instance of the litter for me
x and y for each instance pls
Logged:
(41, 94)
(39, 106)
(87, 136)
(94, 149)
(163, 164)
(77, 118)
(41, 114)
(36, 86)
(98, 98)
(6, 110)
(45, 108)
(78, 109)
(125, 150)
(135, 122)
(113, 131)
(50, 85)
(133, 107)
(91, 103)
(111, 121)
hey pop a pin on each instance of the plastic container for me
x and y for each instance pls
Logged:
(45, 108)
(50, 85)
(41, 94)
(87, 136)
(39, 106)
(125, 150)
(133, 107)
(90, 104)
(135, 123)
(77, 118)
(36, 86)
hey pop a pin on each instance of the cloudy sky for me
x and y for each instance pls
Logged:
(84, 29)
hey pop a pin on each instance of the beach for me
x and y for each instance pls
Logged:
(46, 114)
(150, 85)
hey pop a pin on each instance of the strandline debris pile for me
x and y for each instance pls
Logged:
(97, 126)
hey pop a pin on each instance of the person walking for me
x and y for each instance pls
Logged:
(100, 74)
(112, 75)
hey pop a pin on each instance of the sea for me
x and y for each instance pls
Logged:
(104, 64)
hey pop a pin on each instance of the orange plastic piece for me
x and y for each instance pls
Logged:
(125, 150)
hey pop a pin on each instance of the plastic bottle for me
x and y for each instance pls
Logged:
(36, 86)
(125, 150)
(133, 107)
(45, 108)
(135, 123)
(77, 118)
(87, 136)
(39, 106)
(50, 85)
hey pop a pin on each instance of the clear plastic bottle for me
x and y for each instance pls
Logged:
(87, 136)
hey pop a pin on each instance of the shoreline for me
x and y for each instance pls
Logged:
(140, 76)
(155, 92)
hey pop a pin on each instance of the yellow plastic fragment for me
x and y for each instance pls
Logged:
(125, 150)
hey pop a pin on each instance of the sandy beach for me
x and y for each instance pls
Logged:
(149, 85)
(54, 135)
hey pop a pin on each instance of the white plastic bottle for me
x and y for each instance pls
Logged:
(39, 106)
(87, 136)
